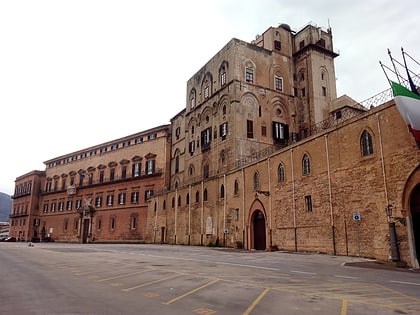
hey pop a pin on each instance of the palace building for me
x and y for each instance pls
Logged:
(264, 156)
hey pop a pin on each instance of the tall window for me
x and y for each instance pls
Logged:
(121, 198)
(366, 143)
(306, 165)
(280, 173)
(176, 163)
(150, 167)
(223, 78)
(124, 172)
(278, 83)
(101, 176)
(205, 194)
(112, 174)
(249, 74)
(206, 171)
(134, 197)
(197, 196)
(205, 139)
(98, 202)
(308, 203)
(223, 130)
(236, 187)
(256, 181)
(109, 200)
(136, 169)
(222, 191)
(249, 129)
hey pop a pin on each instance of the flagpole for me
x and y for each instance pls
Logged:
(395, 68)
(410, 81)
(386, 75)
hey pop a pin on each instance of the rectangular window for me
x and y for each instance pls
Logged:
(150, 167)
(46, 207)
(98, 202)
(223, 78)
(104, 149)
(223, 130)
(205, 139)
(69, 205)
(324, 91)
(134, 197)
(148, 194)
(249, 75)
(114, 147)
(303, 92)
(78, 204)
(136, 169)
(280, 132)
(112, 223)
(112, 174)
(101, 176)
(277, 45)
(152, 136)
(126, 143)
(177, 133)
(121, 198)
(139, 140)
(278, 83)
(191, 147)
(249, 129)
(53, 207)
(110, 200)
(308, 203)
(124, 172)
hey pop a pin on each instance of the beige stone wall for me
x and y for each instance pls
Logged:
(341, 182)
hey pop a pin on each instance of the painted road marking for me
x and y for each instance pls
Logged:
(303, 272)
(122, 276)
(151, 282)
(345, 277)
(256, 301)
(204, 311)
(403, 282)
(344, 307)
(191, 292)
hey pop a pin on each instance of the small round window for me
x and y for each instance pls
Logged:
(278, 112)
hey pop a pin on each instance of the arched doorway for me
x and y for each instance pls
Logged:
(415, 217)
(258, 222)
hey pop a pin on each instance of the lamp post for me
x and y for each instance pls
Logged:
(395, 253)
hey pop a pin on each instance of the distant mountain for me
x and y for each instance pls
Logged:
(5, 207)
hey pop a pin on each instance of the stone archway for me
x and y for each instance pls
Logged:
(411, 211)
(415, 219)
(258, 229)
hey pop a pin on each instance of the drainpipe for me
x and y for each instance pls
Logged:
(395, 253)
(189, 214)
(330, 195)
(270, 211)
(244, 238)
(293, 200)
(202, 213)
(176, 208)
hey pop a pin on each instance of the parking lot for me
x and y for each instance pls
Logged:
(163, 279)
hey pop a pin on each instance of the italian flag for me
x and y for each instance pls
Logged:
(408, 104)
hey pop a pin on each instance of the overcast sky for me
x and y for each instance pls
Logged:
(78, 73)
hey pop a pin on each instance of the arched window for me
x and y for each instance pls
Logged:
(164, 205)
(197, 196)
(173, 202)
(280, 173)
(366, 145)
(236, 187)
(222, 191)
(256, 181)
(205, 194)
(188, 199)
(179, 201)
(306, 165)
(206, 170)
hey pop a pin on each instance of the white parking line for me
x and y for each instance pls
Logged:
(303, 272)
(345, 277)
(402, 282)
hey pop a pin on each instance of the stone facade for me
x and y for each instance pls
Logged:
(264, 156)
(99, 193)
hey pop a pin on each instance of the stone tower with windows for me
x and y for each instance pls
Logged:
(251, 99)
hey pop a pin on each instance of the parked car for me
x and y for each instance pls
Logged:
(10, 239)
